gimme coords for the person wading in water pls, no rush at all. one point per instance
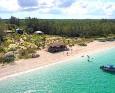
(88, 58)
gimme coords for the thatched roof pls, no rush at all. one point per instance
(57, 47)
(57, 44)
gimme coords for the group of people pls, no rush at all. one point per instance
(89, 59)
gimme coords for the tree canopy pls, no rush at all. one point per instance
(65, 27)
(72, 28)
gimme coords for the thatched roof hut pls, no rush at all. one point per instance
(57, 47)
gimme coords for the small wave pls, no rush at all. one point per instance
(36, 91)
(30, 91)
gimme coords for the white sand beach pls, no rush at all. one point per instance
(47, 59)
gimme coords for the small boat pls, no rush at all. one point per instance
(108, 68)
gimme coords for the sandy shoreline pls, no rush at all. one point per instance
(46, 59)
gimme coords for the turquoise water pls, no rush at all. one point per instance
(75, 76)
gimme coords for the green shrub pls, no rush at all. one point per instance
(23, 53)
(12, 47)
(25, 49)
(31, 50)
(2, 49)
(101, 39)
(110, 39)
(9, 41)
(82, 44)
(1, 58)
(9, 57)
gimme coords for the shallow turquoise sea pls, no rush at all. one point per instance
(74, 76)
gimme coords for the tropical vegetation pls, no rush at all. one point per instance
(15, 46)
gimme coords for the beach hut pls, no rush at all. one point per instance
(57, 47)
(19, 31)
(39, 32)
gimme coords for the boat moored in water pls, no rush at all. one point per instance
(109, 68)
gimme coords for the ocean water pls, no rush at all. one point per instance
(74, 76)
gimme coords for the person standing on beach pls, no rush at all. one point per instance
(67, 54)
